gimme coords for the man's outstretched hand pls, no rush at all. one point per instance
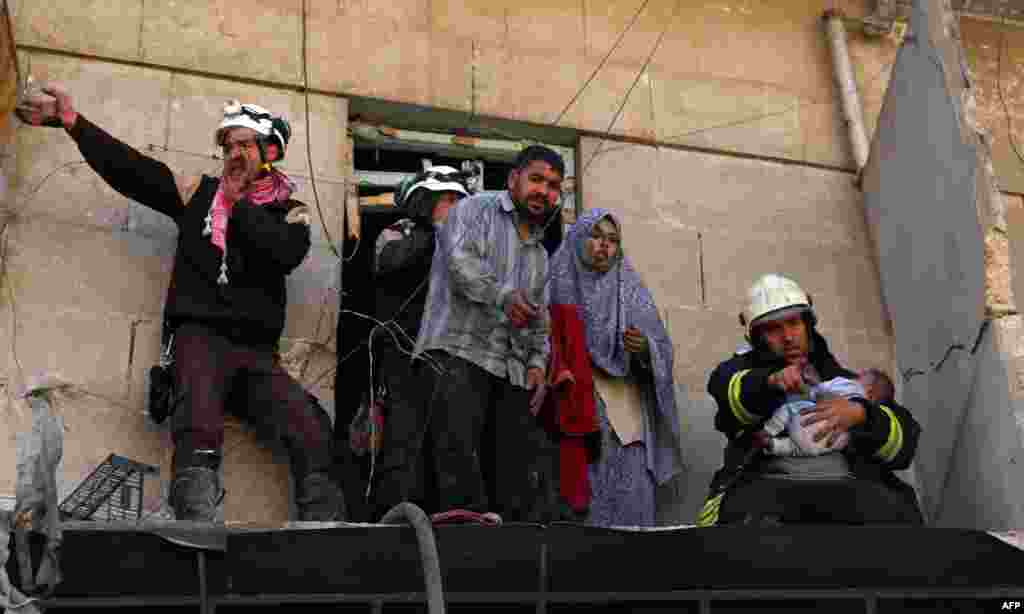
(535, 382)
(50, 105)
(519, 310)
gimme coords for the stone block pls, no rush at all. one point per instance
(733, 260)
(668, 260)
(728, 114)
(334, 40)
(553, 26)
(977, 37)
(326, 133)
(702, 338)
(332, 207)
(515, 83)
(617, 176)
(732, 41)
(421, 68)
(826, 140)
(313, 367)
(49, 176)
(601, 101)
(258, 40)
(313, 299)
(477, 19)
(857, 283)
(89, 350)
(107, 28)
(999, 297)
(771, 201)
(868, 348)
(454, 73)
(256, 476)
(415, 13)
(60, 266)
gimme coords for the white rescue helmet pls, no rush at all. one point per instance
(238, 115)
(434, 179)
(772, 297)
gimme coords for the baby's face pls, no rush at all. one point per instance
(870, 389)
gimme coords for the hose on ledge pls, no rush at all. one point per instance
(413, 515)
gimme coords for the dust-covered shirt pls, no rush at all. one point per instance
(479, 261)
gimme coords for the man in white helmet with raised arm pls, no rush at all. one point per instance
(239, 236)
(855, 485)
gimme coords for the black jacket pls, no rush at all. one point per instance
(885, 442)
(265, 243)
(401, 270)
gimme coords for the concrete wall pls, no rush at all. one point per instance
(986, 478)
(940, 230)
(983, 40)
(701, 228)
(740, 75)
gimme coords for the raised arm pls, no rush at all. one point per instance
(141, 178)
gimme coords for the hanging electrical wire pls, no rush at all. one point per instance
(309, 129)
(625, 99)
(13, 50)
(604, 60)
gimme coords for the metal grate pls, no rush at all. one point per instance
(113, 491)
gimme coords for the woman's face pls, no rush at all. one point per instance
(602, 245)
(444, 205)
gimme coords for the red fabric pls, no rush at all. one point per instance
(569, 406)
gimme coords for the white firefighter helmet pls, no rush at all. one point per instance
(435, 179)
(238, 115)
(773, 296)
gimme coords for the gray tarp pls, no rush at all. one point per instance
(39, 454)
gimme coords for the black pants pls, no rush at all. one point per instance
(522, 482)
(853, 501)
(400, 474)
(210, 370)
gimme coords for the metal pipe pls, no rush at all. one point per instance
(428, 551)
(204, 604)
(843, 71)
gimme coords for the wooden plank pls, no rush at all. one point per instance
(387, 198)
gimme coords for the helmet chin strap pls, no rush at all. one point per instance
(265, 167)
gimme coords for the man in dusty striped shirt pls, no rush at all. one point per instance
(486, 322)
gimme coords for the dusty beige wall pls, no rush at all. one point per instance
(86, 269)
(742, 75)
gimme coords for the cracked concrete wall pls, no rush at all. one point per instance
(740, 75)
(86, 269)
(996, 83)
(939, 227)
(701, 228)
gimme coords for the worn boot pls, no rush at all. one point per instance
(319, 499)
(195, 494)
